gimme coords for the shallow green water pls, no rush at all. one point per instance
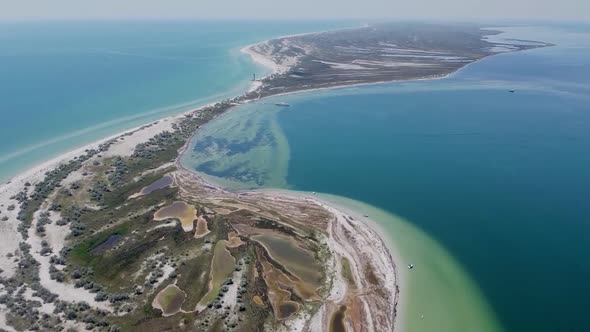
(437, 294)
(242, 149)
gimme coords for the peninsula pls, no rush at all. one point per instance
(118, 236)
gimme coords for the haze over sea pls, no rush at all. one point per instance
(66, 84)
(492, 186)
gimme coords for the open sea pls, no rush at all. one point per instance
(485, 191)
(66, 84)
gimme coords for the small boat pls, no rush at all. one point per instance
(512, 91)
(283, 104)
(410, 266)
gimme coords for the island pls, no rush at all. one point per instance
(118, 236)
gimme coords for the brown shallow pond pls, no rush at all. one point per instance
(298, 261)
(178, 210)
(169, 300)
(279, 291)
(202, 228)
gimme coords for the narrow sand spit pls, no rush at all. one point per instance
(343, 245)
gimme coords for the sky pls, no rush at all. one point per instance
(293, 9)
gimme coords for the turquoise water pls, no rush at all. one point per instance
(65, 84)
(483, 187)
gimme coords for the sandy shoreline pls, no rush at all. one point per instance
(125, 145)
(266, 62)
(259, 59)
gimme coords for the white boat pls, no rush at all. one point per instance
(282, 104)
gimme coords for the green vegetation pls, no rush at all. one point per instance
(124, 191)
(31, 202)
(81, 253)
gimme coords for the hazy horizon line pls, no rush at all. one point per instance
(470, 19)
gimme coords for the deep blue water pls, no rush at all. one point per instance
(501, 179)
(65, 84)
